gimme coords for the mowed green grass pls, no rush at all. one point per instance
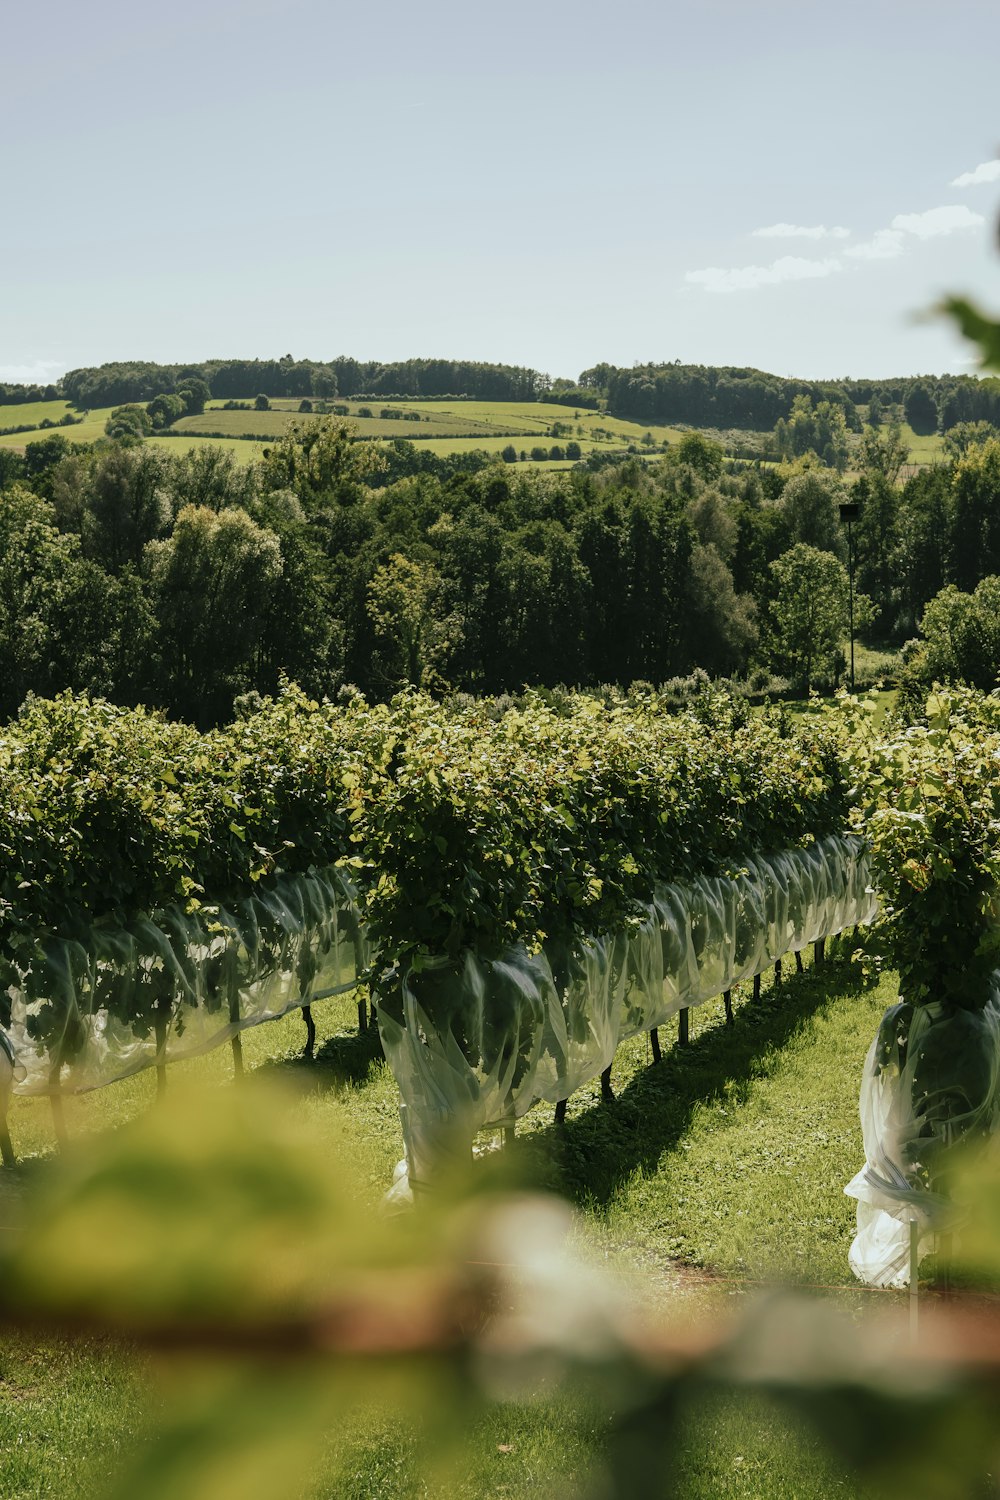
(720, 1167)
(87, 431)
(34, 412)
(475, 421)
(274, 423)
(923, 450)
(538, 416)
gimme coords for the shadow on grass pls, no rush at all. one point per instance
(594, 1153)
(341, 1062)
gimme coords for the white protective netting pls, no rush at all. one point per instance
(476, 1043)
(87, 1013)
(931, 1079)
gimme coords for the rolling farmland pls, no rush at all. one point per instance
(442, 428)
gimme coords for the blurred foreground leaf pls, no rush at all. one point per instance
(977, 327)
(284, 1310)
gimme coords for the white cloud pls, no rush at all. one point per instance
(40, 372)
(801, 232)
(885, 244)
(937, 221)
(749, 278)
(987, 171)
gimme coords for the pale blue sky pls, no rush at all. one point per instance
(538, 184)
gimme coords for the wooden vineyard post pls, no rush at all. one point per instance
(683, 1027)
(654, 1042)
(6, 1085)
(798, 961)
(777, 972)
(728, 1002)
(508, 1136)
(160, 1032)
(756, 987)
(560, 1114)
(362, 1015)
(310, 1046)
(234, 1015)
(607, 1092)
(914, 1279)
(6, 1146)
(819, 952)
(56, 1102)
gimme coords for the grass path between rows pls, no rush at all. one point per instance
(719, 1168)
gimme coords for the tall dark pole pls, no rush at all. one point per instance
(848, 515)
(850, 592)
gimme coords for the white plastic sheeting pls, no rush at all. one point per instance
(932, 1078)
(477, 1042)
(87, 1013)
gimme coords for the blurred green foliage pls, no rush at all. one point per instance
(277, 1310)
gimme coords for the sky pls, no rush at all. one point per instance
(784, 185)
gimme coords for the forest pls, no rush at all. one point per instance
(189, 582)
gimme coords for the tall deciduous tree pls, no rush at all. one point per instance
(808, 613)
(809, 505)
(212, 583)
(975, 522)
(53, 605)
(415, 638)
(920, 409)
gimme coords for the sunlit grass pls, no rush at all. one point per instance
(723, 1165)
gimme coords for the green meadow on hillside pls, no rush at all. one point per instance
(444, 427)
(33, 413)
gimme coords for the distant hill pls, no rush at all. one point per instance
(662, 394)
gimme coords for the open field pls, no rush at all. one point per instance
(87, 431)
(271, 424)
(474, 421)
(444, 427)
(722, 1165)
(33, 413)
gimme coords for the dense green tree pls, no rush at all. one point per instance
(965, 435)
(126, 504)
(808, 614)
(194, 392)
(164, 410)
(920, 409)
(975, 515)
(40, 460)
(211, 476)
(962, 636)
(213, 586)
(721, 625)
(883, 451)
(322, 462)
(819, 428)
(415, 637)
(129, 422)
(810, 508)
(12, 467)
(52, 604)
(877, 546)
(700, 453)
(924, 523)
